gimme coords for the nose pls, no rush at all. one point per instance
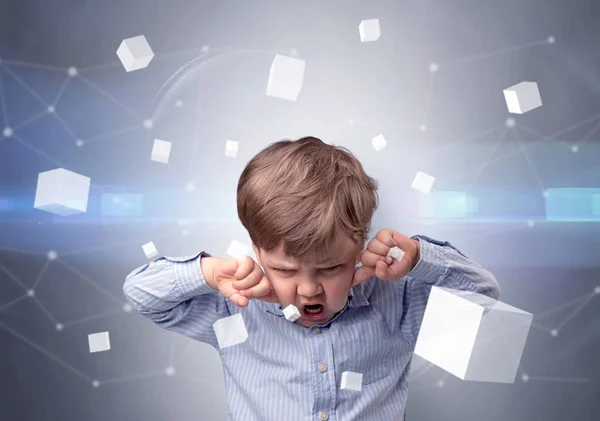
(309, 289)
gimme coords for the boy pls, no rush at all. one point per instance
(307, 207)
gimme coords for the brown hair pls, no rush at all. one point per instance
(305, 193)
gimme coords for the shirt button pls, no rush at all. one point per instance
(324, 416)
(317, 330)
(322, 368)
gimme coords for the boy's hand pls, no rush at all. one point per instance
(376, 262)
(240, 280)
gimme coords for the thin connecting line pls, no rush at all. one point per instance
(13, 302)
(93, 317)
(34, 65)
(531, 166)
(30, 120)
(111, 98)
(3, 101)
(113, 133)
(26, 86)
(563, 131)
(574, 313)
(45, 352)
(476, 175)
(61, 91)
(64, 124)
(38, 151)
(45, 310)
(134, 377)
(41, 274)
(13, 277)
(467, 140)
(430, 89)
(560, 379)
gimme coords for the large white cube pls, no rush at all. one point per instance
(135, 53)
(423, 182)
(291, 313)
(230, 330)
(369, 30)
(161, 150)
(285, 77)
(379, 142)
(522, 97)
(231, 148)
(238, 249)
(351, 380)
(99, 342)
(150, 250)
(62, 192)
(472, 336)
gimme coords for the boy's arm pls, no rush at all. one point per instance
(440, 264)
(176, 294)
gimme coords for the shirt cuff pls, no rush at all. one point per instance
(189, 279)
(432, 265)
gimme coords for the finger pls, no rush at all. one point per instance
(259, 290)
(362, 274)
(370, 258)
(245, 266)
(252, 278)
(234, 296)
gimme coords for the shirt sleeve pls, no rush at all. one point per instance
(441, 264)
(172, 292)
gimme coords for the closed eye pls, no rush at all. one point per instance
(292, 270)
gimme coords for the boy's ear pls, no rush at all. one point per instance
(257, 253)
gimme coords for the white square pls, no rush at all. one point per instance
(62, 192)
(423, 182)
(522, 97)
(161, 150)
(291, 313)
(150, 250)
(238, 249)
(379, 142)
(351, 380)
(396, 253)
(369, 30)
(230, 330)
(99, 342)
(285, 77)
(472, 336)
(231, 148)
(135, 53)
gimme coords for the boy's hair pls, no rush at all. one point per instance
(305, 193)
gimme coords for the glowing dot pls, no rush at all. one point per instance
(127, 308)
(184, 233)
(59, 327)
(31, 293)
(190, 187)
(205, 48)
(52, 255)
(423, 127)
(574, 148)
(51, 109)
(179, 103)
(510, 122)
(293, 52)
(79, 143)
(530, 223)
(170, 371)
(148, 124)
(440, 383)
(434, 67)
(95, 383)
(554, 332)
(597, 290)
(525, 377)
(545, 193)
(551, 40)
(72, 71)
(7, 132)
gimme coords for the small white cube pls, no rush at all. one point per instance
(351, 380)
(161, 150)
(238, 249)
(231, 148)
(472, 336)
(291, 313)
(99, 342)
(230, 330)
(62, 192)
(423, 182)
(285, 77)
(379, 142)
(396, 253)
(369, 30)
(135, 53)
(522, 97)
(150, 250)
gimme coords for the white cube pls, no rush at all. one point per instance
(230, 330)
(161, 150)
(62, 192)
(522, 97)
(291, 313)
(135, 53)
(99, 342)
(396, 253)
(379, 142)
(351, 380)
(285, 77)
(231, 148)
(472, 336)
(238, 249)
(423, 182)
(369, 30)
(150, 250)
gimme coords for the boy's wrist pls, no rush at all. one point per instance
(207, 265)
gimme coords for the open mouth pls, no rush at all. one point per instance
(313, 311)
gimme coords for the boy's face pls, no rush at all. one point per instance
(324, 280)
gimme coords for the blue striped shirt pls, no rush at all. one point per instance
(285, 371)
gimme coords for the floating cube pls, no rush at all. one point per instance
(150, 250)
(135, 53)
(231, 148)
(472, 336)
(396, 253)
(285, 77)
(99, 342)
(423, 182)
(161, 150)
(291, 313)
(522, 97)
(230, 330)
(238, 249)
(369, 30)
(351, 380)
(62, 192)
(379, 142)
